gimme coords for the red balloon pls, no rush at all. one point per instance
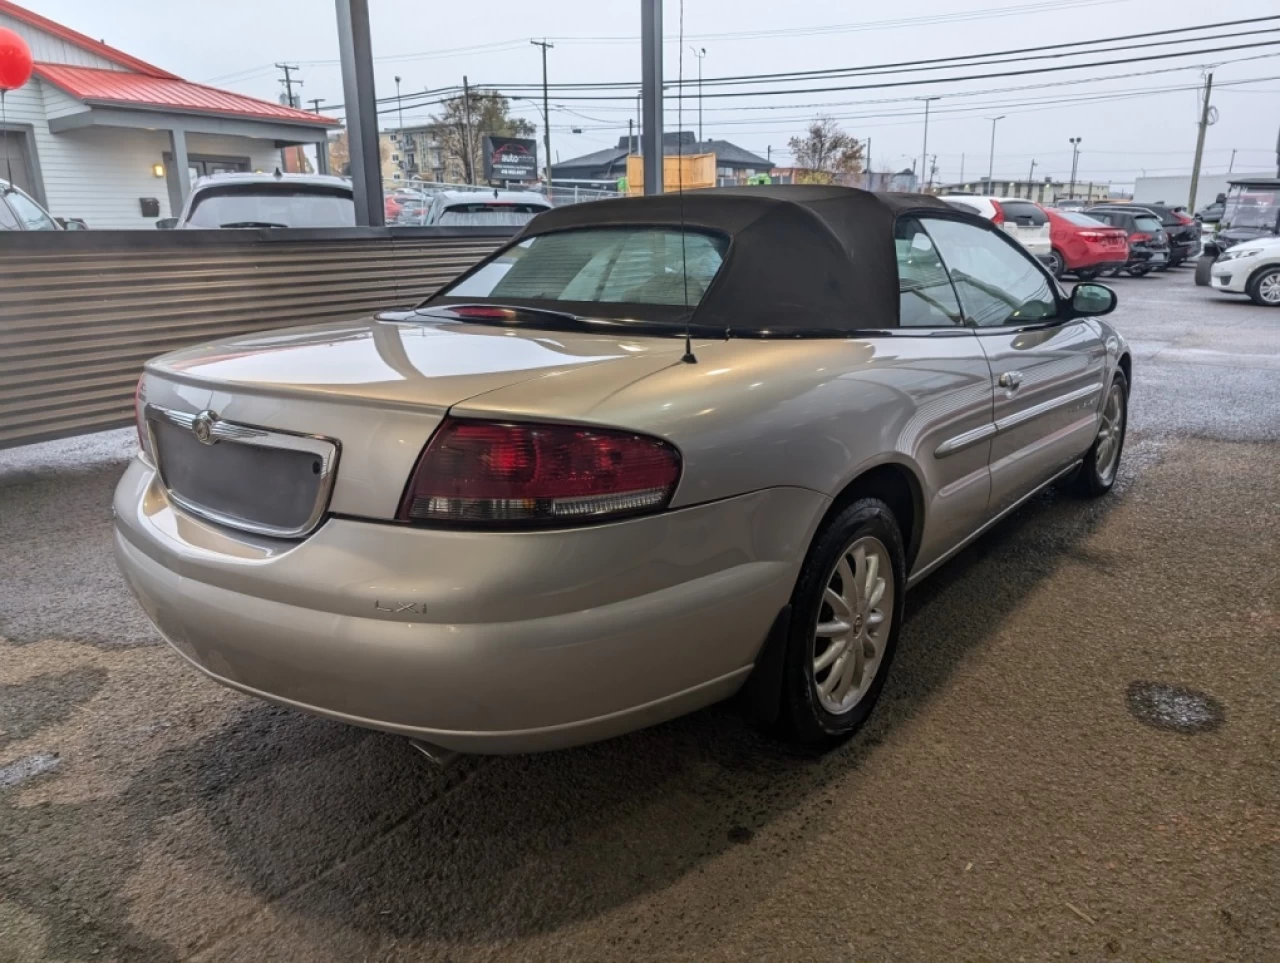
(15, 60)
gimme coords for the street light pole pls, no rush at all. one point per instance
(399, 105)
(991, 159)
(699, 52)
(924, 153)
(1075, 156)
(546, 109)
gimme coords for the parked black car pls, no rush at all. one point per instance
(1182, 229)
(1148, 242)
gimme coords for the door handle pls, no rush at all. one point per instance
(1011, 380)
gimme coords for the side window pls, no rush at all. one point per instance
(997, 282)
(925, 296)
(29, 213)
(1024, 213)
(7, 221)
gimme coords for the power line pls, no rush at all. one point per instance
(1038, 52)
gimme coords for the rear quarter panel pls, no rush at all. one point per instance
(812, 414)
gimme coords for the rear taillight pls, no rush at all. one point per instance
(998, 216)
(1183, 218)
(1139, 238)
(1092, 235)
(484, 473)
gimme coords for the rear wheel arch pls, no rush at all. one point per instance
(898, 486)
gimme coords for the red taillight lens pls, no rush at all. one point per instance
(1139, 238)
(1092, 235)
(1183, 218)
(494, 474)
(998, 216)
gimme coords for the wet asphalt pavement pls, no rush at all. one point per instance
(1076, 757)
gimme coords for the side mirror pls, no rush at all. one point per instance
(166, 223)
(1091, 300)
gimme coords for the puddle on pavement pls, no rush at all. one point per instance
(1174, 708)
(24, 769)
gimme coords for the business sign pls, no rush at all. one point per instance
(510, 159)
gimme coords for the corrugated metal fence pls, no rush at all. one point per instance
(81, 311)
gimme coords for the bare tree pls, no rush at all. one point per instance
(825, 150)
(490, 114)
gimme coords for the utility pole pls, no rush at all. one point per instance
(468, 167)
(991, 159)
(962, 171)
(546, 109)
(1204, 124)
(631, 142)
(699, 52)
(1075, 157)
(288, 82)
(924, 154)
(1232, 165)
(1031, 176)
(933, 170)
(322, 148)
(399, 105)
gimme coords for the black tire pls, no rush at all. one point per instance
(1088, 481)
(1137, 272)
(1162, 267)
(1087, 274)
(1255, 286)
(803, 719)
(1058, 264)
(1115, 273)
(1204, 266)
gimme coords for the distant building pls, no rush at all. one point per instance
(414, 152)
(100, 135)
(1045, 191)
(900, 181)
(734, 165)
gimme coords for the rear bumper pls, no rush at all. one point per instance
(478, 642)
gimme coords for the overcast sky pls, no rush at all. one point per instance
(233, 44)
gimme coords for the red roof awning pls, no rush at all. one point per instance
(125, 89)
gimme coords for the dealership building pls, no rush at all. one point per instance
(100, 135)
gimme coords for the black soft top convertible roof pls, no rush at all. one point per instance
(800, 256)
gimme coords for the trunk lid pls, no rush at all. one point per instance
(374, 389)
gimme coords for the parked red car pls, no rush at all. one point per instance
(1084, 245)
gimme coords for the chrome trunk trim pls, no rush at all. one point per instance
(326, 449)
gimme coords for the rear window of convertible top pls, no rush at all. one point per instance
(616, 265)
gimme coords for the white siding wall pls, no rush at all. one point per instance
(49, 49)
(99, 173)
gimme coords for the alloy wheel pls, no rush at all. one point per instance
(1269, 288)
(1110, 434)
(853, 625)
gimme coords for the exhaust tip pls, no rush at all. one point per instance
(438, 755)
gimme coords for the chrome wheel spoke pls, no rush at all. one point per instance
(828, 685)
(839, 605)
(835, 627)
(872, 581)
(833, 652)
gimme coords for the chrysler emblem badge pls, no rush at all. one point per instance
(203, 427)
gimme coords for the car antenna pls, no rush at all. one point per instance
(689, 357)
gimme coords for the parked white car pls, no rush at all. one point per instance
(1251, 268)
(1018, 217)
